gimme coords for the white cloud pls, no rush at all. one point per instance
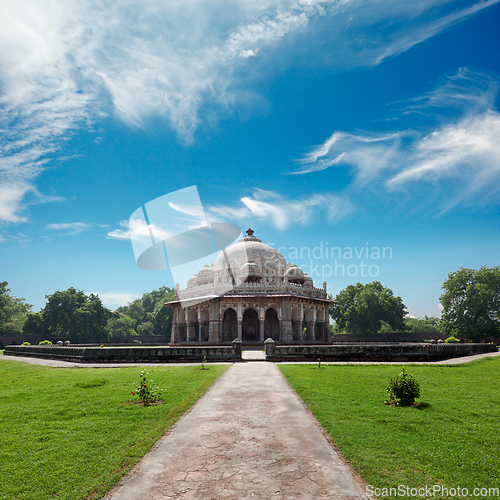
(282, 213)
(65, 64)
(69, 228)
(193, 210)
(464, 148)
(428, 30)
(11, 195)
(114, 300)
(140, 231)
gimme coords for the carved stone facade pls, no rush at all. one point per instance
(250, 293)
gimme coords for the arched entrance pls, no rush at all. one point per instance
(193, 326)
(271, 325)
(229, 325)
(250, 326)
(320, 325)
(309, 323)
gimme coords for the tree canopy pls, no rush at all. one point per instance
(361, 309)
(13, 310)
(151, 315)
(471, 303)
(73, 314)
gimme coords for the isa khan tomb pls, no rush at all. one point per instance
(250, 293)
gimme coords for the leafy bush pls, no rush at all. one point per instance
(452, 340)
(145, 391)
(403, 389)
(25, 343)
(45, 342)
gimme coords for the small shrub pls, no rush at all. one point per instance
(403, 389)
(203, 363)
(45, 342)
(146, 391)
(26, 343)
(452, 340)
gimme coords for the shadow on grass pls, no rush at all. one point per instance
(417, 406)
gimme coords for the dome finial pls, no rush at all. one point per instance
(250, 231)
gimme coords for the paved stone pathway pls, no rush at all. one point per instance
(249, 437)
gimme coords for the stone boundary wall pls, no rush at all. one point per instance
(129, 354)
(389, 337)
(373, 351)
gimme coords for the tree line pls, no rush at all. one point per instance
(470, 302)
(82, 318)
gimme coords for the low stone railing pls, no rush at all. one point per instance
(129, 354)
(373, 351)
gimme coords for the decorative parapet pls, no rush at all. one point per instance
(210, 290)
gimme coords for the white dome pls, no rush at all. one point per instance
(251, 250)
(206, 273)
(308, 280)
(295, 272)
(193, 281)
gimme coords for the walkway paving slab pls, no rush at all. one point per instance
(249, 437)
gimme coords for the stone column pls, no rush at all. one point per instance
(262, 323)
(240, 330)
(286, 333)
(173, 335)
(237, 347)
(269, 345)
(328, 335)
(189, 331)
(214, 322)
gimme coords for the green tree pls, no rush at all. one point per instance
(471, 303)
(146, 328)
(120, 327)
(5, 310)
(361, 309)
(33, 324)
(151, 308)
(79, 317)
(12, 310)
(425, 324)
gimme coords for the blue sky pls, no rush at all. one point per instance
(350, 125)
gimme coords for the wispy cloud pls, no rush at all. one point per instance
(114, 300)
(140, 231)
(428, 30)
(282, 212)
(464, 147)
(63, 65)
(69, 228)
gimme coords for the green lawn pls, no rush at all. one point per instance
(452, 440)
(71, 433)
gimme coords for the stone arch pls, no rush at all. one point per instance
(229, 325)
(296, 324)
(309, 323)
(194, 325)
(271, 324)
(250, 325)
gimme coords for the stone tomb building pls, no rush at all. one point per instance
(250, 293)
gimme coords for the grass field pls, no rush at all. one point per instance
(452, 440)
(71, 433)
